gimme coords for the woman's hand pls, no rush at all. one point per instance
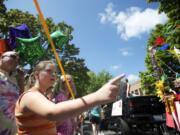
(110, 90)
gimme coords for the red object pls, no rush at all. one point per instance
(159, 41)
(3, 46)
(169, 120)
(177, 97)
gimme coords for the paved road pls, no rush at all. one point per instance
(109, 133)
(113, 133)
(88, 131)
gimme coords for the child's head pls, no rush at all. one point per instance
(64, 85)
(68, 77)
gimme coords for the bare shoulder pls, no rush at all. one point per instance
(32, 96)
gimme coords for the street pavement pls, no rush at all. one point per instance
(88, 131)
(109, 133)
(113, 133)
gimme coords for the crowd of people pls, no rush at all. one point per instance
(42, 104)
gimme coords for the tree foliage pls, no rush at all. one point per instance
(167, 60)
(2, 16)
(170, 7)
(97, 80)
(69, 54)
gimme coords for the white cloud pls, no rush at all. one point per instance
(133, 22)
(132, 78)
(115, 67)
(125, 51)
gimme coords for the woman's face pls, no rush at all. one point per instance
(47, 76)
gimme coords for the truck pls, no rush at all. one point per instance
(139, 114)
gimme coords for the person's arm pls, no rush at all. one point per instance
(38, 104)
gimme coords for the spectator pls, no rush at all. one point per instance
(79, 127)
(62, 94)
(65, 87)
(95, 119)
(128, 93)
(11, 85)
(36, 115)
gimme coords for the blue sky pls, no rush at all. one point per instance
(111, 34)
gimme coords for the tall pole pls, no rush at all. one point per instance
(52, 45)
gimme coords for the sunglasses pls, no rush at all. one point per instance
(12, 56)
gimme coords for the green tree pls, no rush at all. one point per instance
(167, 61)
(69, 54)
(170, 7)
(2, 16)
(97, 80)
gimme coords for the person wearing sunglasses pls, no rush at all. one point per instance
(11, 85)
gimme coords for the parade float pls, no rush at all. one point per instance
(163, 62)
